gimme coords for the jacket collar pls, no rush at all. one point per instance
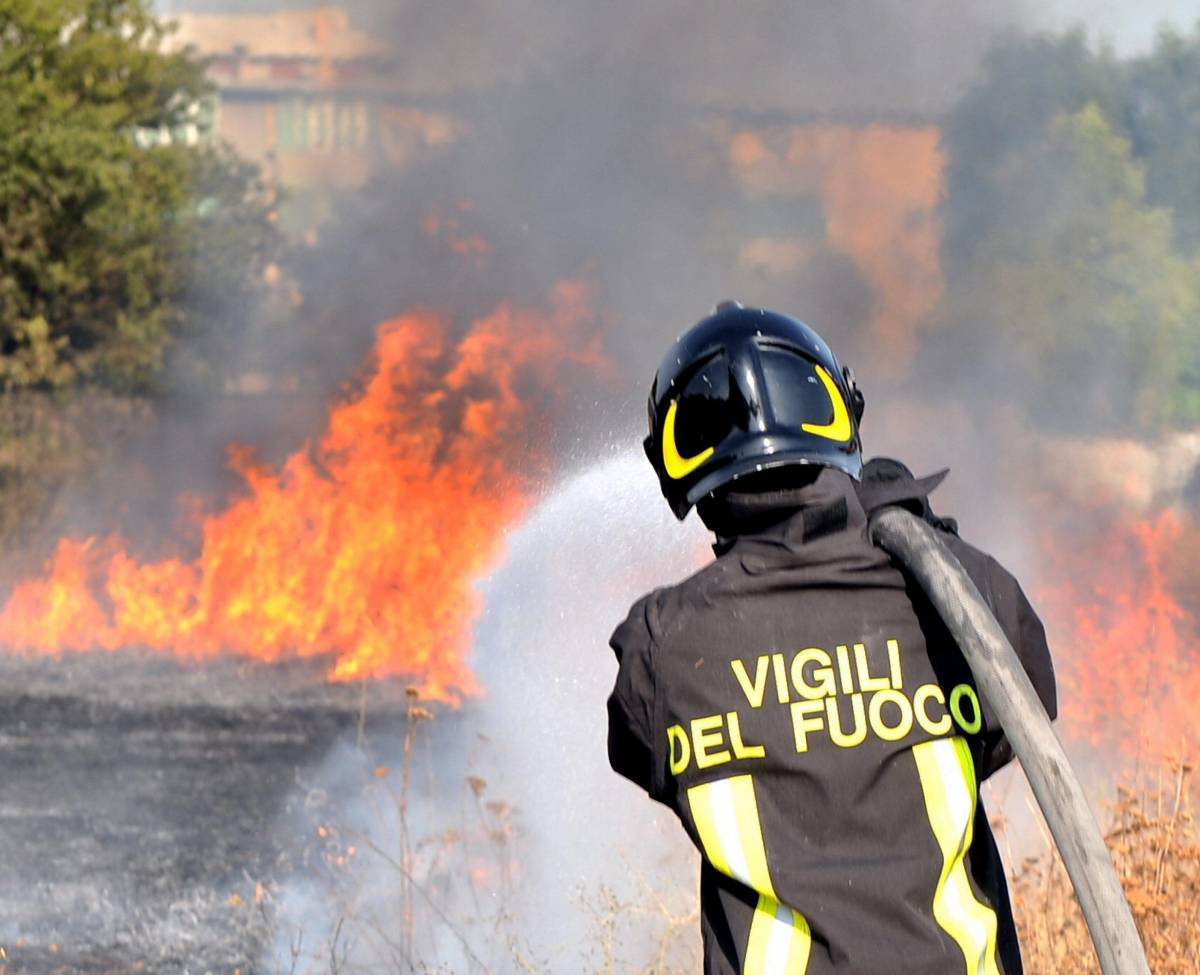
(912, 492)
(794, 517)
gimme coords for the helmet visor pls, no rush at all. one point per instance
(705, 414)
(803, 396)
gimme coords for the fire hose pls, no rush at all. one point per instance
(1007, 689)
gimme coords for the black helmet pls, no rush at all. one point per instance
(747, 390)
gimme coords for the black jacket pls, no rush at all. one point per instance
(801, 707)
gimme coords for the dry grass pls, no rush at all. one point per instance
(397, 901)
(386, 889)
(1155, 843)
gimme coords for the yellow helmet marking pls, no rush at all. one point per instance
(838, 428)
(678, 466)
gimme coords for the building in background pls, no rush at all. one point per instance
(320, 104)
(308, 96)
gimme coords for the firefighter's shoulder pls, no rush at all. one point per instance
(654, 616)
(636, 632)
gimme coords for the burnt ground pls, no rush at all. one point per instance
(142, 801)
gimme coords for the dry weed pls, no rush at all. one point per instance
(1155, 844)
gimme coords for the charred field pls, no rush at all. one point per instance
(148, 804)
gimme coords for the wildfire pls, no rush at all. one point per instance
(365, 544)
(1127, 648)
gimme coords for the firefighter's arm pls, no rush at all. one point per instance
(1025, 632)
(631, 704)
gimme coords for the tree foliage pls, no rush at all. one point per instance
(114, 240)
(1162, 116)
(1073, 285)
(1027, 83)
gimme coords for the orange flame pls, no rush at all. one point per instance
(364, 544)
(1126, 647)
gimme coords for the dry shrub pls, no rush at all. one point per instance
(656, 932)
(406, 873)
(397, 900)
(1155, 843)
(52, 446)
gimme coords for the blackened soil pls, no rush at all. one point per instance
(141, 801)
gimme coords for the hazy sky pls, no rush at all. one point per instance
(1130, 25)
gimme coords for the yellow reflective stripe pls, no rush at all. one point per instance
(745, 810)
(676, 465)
(726, 816)
(700, 799)
(780, 942)
(948, 783)
(839, 427)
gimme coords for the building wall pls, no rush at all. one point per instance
(249, 125)
(298, 91)
(302, 137)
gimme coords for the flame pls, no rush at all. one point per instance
(879, 185)
(1127, 649)
(364, 544)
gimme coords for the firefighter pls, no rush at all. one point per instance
(798, 703)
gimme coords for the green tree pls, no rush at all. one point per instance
(1027, 82)
(1075, 302)
(114, 241)
(1162, 116)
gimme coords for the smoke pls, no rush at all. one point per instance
(596, 139)
(517, 835)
